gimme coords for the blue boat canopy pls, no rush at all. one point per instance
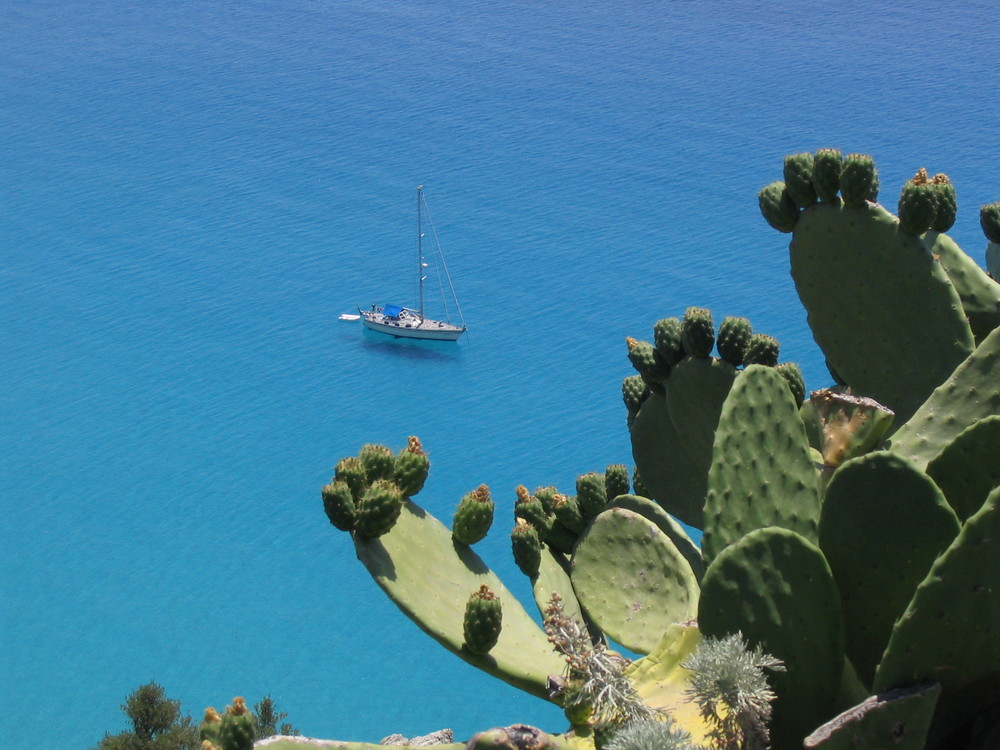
(392, 311)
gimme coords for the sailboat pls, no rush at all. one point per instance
(412, 323)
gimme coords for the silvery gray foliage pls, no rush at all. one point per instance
(650, 734)
(728, 675)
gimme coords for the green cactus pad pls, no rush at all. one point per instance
(473, 516)
(798, 175)
(378, 460)
(591, 494)
(864, 283)
(338, 503)
(980, 295)
(351, 471)
(616, 481)
(858, 180)
(796, 383)
(411, 467)
(898, 719)
(483, 621)
(971, 393)
(968, 469)
(762, 350)
(762, 472)
(667, 340)
(663, 462)
(776, 588)
(429, 577)
(553, 578)
(883, 524)
(378, 509)
(697, 332)
(989, 220)
(777, 207)
(733, 340)
(631, 579)
(950, 632)
(695, 393)
(526, 547)
(827, 164)
(654, 513)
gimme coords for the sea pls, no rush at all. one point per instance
(192, 193)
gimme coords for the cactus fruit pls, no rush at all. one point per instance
(474, 516)
(631, 579)
(411, 467)
(799, 179)
(529, 508)
(849, 425)
(762, 350)
(858, 180)
(898, 719)
(989, 220)
(339, 505)
(210, 726)
(526, 547)
(697, 332)
(591, 494)
(777, 207)
(950, 632)
(643, 357)
(793, 376)
(667, 340)
(733, 340)
(351, 471)
(827, 164)
(483, 621)
(883, 523)
(237, 727)
(378, 460)
(567, 512)
(776, 588)
(634, 392)
(917, 204)
(547, 497)
(616, 481)
(378, 509)
(946, 210)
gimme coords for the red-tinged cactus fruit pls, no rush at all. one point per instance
(351, 471)
(917, 204)
(777, 207)
(378, 510)
(527, 547)
(530, 509)
(798, 175)
(858, 180)
(237, 730)
(947, 203)
(474, 516)
(616, 481)
(483, 621)
(733, 340)
(591, 495)
(378, 460)
(827, 164)
(411, 467)
(338, 502)
(667, 341)
(762, 350)
(698, 332)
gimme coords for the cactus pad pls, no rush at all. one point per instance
(864, 283)
(429, 577)
(631, 579)
(654, 513)
(950, 632)
(883, 524)
(776, 588)
(762, 472)
(968, 469)
(980, 295)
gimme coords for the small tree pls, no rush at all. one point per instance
(157, 723)
(266, 717)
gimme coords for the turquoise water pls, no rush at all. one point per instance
(193, 192)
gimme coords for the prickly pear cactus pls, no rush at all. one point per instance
(967, 469)
(474, 516)
(483, 621)
(411, 467)
(237, 727)
(898, 719)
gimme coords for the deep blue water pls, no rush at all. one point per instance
(192, 192)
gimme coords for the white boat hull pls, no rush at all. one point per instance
(433, 330)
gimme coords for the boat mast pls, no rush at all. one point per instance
(420, 249)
